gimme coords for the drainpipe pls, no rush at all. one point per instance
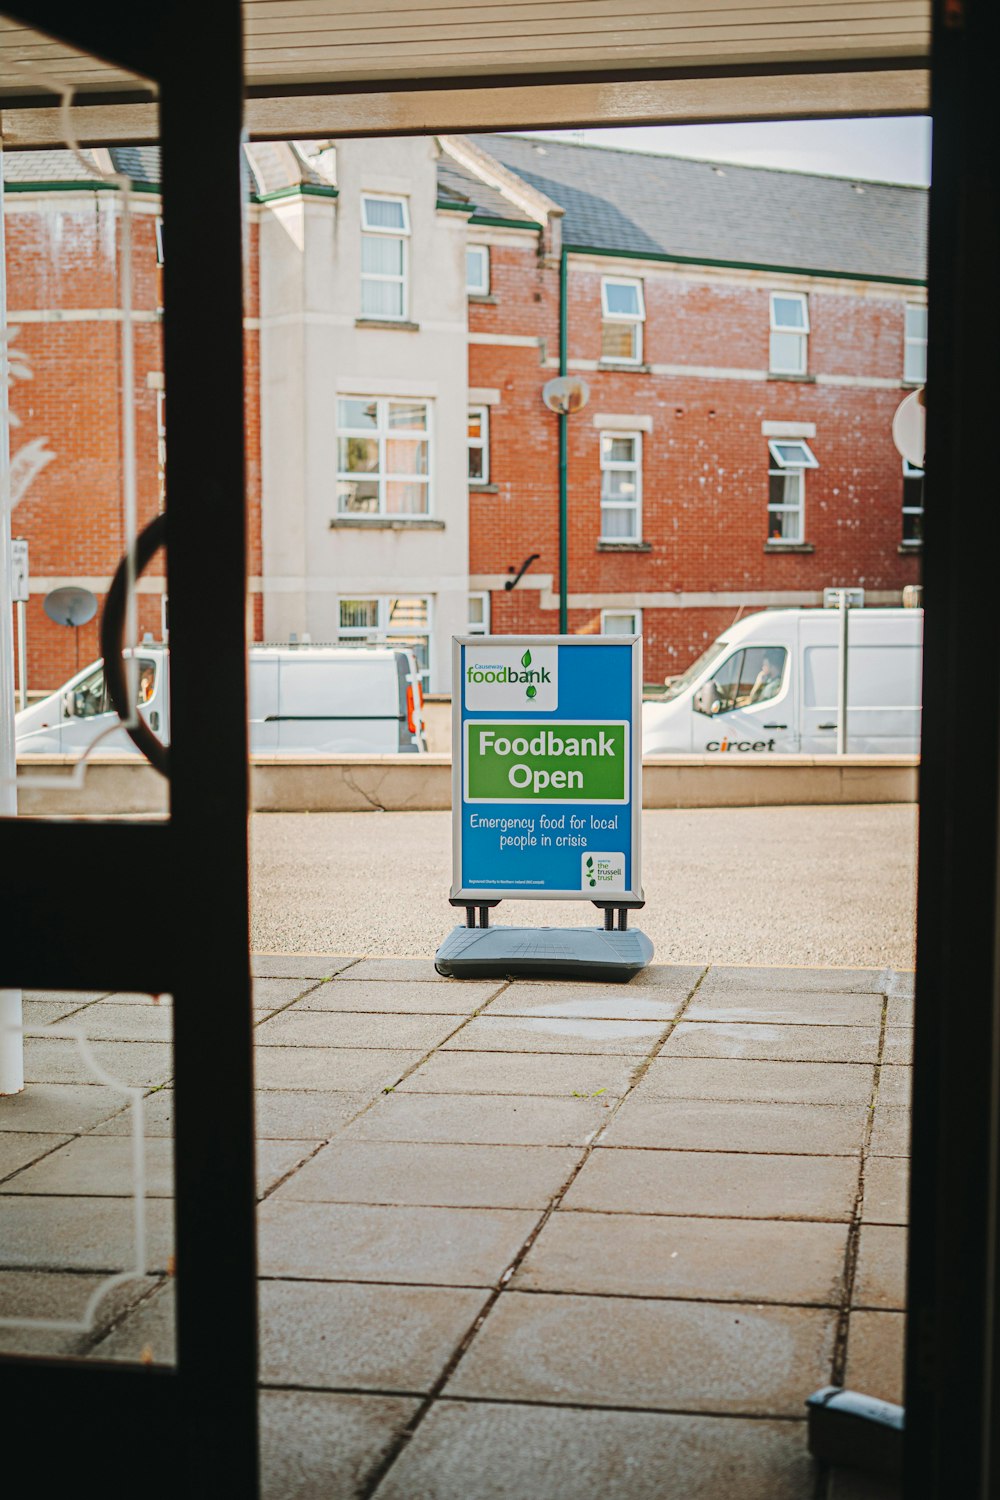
(563, 443)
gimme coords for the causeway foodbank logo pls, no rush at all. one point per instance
(512, 677)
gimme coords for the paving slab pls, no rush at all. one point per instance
(501, 1120)
(895, 1085)
(98, 1166)
(269, 994)
(715, 1184)
(317, 1444)
(491, 1033)
(770, 980)
(59, 1108)
(138, 997)
(898, 1045)
(384, 997)
(300, 965)
(638, 1255)
(60, 1060)
(891, 1132)
(47, 1012)
(457, 1072)
(887, 1181)
(112, 1021)
(785, 1007)
(395, 1338)
(481, 1451)
(875, 1343)
(852, 1484)
(65, 1000)
(445, 1176)
(428, 1246)
(287, 1114)
(85, 1234)
(345, 1070)
(18, 1148)
(589, 1002)
(725, 1125)
(617, 1351)
(774, 1043)
(421, 969)
(275, 1159)
(60, 1296)
(775, 1082)
(148, 1332)
(880, 1278)
(318, 1028)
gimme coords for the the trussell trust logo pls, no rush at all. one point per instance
(512, 677)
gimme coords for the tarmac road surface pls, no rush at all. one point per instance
(833, 886)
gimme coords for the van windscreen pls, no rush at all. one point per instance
(677, 685)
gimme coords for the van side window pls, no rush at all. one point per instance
(747, 677)
(88, 698)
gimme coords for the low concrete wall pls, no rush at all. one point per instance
(409, 783)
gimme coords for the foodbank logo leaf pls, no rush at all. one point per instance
(530, 690)
(591, 878)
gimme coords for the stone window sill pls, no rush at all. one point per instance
(795, 379)
(624, 546)
(483, 489)
(400, 325)
(624, 364)
(906, 548)
(789, 547)
(482, 299)
(386, 523)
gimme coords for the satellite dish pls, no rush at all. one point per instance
(566, 394)
(70, 606)
(908, 427)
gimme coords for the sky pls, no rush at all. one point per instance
(883, 150)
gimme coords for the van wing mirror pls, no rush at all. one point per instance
(706, 699)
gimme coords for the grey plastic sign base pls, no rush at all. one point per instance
(543, 953)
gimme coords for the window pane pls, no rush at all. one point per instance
(382, 299)
(408, 414)
(618, 340)
(788, 312)
(915, 363)
(405, 499)
(618, 484)
(407, 614)
(476, 456)
(619, 450)
(916, 322)
(357, 496)
(384, 213)
(406, 456)
(784, 526)
(621, 300)
(475, 425)
(381, 255)
(88, 699)
(760, 675)
(357, 413)
(476, 269)
(790, 454)
(913, 525)
(618, 522)
(624, 624)
(356, 455)
(359, 614)
(726, 682)
(477, 610)
(788, 353)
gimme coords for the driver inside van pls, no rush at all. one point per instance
(767, 682)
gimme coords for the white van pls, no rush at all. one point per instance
(324, 699)
(770, 684)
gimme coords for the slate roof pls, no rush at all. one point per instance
(47, 166)
(457, 182)
(636, 202)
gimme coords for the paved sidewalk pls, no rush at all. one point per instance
(550, 1241)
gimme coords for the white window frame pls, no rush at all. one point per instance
(634, 320)
(914, 349)
(159, 239)
(383, 633)
(480, 627)
(785, 329)
(783, 465)
(383, 433)
(610, 466)
(482, 443)
(636, 621)
(392, 232)
(911, 471)
(482, 288)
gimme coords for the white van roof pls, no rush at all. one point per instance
(330, 653)
(772, 621)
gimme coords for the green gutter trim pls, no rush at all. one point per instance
(299, 190)
(744, 265)
(507, 223)
(450, 206)
(82, 185)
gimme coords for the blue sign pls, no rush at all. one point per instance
(546, 767)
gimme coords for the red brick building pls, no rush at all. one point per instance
(746, 336)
